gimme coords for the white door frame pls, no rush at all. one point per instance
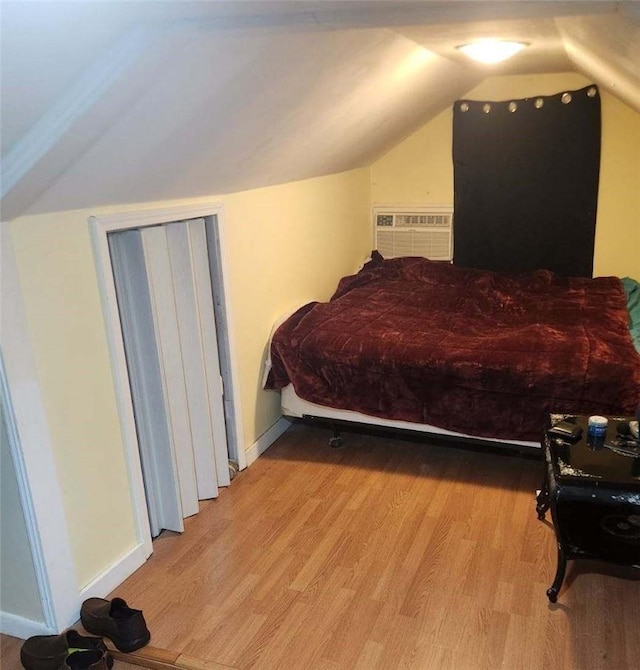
(100, 226)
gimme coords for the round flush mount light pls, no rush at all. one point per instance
(491, 51)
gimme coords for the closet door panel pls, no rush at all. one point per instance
(192, 352)
(163, 300)
(159, 467)
(207, 329)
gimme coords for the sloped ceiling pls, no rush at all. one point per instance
(122, 102)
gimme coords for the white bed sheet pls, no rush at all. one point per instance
(294, 406)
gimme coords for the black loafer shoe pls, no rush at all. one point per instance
(47, 652)
(124, 626)
(86, 660)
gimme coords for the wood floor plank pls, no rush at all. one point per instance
(191, 663)
(382, 554)
(389, 554)
(369, 658)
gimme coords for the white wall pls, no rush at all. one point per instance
(19, 596)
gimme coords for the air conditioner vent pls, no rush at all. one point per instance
(414, 220)
(415, 231)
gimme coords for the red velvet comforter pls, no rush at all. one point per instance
(472, 351)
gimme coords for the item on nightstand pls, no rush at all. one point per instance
(626, 433)
(625, 442)
(566, 430)
(596, 430)
(597, 425)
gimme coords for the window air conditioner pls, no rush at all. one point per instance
(414, 231)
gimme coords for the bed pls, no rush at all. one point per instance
(413, 343)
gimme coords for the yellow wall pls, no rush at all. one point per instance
(617, 249)
(420, 169)
(57, 275)
(286, 245)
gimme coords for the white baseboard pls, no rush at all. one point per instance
(100, 587)
(17, 626)
(267, 439)
(115, 574)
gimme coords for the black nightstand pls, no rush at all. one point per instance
(594, 496)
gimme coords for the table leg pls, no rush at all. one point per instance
(554, 589)
(542, 500)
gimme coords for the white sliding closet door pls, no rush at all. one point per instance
(157, 456)
(177, 263)
(165, 298)
(163, 301)
(192, 289)
(213, 390)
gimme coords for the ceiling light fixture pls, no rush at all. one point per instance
(491, 51)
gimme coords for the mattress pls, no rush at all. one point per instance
(470, 351)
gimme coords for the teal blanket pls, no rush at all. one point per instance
(632, 290)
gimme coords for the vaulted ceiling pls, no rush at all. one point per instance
(122, 102)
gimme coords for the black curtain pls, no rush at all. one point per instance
(526, 182)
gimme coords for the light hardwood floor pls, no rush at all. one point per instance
(382, 554)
